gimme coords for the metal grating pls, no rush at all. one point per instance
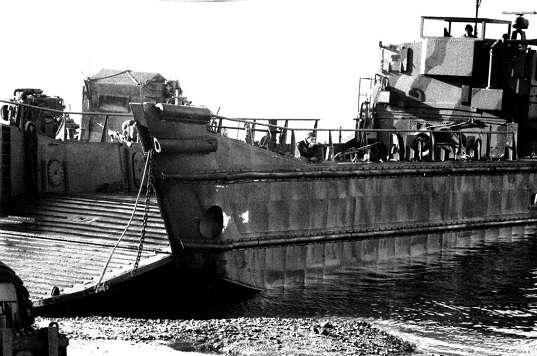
(64, 241)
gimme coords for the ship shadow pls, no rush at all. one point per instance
(159, 293)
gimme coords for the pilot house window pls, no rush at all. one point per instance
(114, 103)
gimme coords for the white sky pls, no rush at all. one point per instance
(277, 58)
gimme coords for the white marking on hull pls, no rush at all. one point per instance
(245, 217)
(226, 221)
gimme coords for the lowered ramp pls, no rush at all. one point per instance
(60, 243)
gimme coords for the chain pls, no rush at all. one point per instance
(145, 217)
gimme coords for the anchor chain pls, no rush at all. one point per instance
(148, 189)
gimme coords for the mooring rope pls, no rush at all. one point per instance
(146, 169)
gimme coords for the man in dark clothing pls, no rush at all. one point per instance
(309, 149)
(469, 32)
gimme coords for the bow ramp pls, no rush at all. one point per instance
(60, 244)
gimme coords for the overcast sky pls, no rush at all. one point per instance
(279, 58)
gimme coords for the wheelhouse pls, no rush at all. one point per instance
(437, 26)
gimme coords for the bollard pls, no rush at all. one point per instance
(53, 339)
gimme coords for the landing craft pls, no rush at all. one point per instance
(444, 140)
(75, 213)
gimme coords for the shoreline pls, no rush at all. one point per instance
(235, 336)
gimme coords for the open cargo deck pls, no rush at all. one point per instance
(64, 241)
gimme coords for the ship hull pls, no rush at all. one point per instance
(296, 266)
(273, 217)
(234, 206)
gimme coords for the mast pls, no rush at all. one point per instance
(477, 5)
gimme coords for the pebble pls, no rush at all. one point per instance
(243, 336)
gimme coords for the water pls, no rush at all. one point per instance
(458, 293)
(477, 297)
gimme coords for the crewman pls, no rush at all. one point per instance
(307, 147)
(128, 128)
(265, 141)
(469, 31)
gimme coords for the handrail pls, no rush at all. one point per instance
(263, 124)
(430, 134)
(250, 119)
(65, 112)
(367, 130)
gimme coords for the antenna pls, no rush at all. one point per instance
(519, 13)
(477, 5)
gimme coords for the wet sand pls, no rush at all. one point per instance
(79, 347)
(238, 336)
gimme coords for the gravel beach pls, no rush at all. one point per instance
(238, 336)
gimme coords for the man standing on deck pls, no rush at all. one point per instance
(307, 147)
(469, 31)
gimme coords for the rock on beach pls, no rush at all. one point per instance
(242, 336)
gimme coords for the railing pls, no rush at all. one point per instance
(99, 128)
(362, 143)
(376, 144)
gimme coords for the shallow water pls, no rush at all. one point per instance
(458, 293)
(477, 296)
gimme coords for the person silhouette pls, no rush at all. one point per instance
(469, 31)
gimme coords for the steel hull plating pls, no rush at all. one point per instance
(283, 207)
(272, 203)
(295, 266)
(277, 222)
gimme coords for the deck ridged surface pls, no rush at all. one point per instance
(64, 241)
